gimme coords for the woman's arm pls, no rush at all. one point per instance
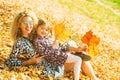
(22, 47)
(14, 56)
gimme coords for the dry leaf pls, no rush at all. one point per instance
(92, 41)
(61, 33)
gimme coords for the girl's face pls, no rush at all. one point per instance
(26, 25)
(42, 30)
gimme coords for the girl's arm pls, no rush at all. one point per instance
(75, 49)
(84, 47)
(55, 44)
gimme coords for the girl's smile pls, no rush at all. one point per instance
(42, 31)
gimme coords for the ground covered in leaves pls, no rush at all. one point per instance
(106, 64)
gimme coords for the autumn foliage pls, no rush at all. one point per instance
(101, 38)
(92, 41)
(61, 33)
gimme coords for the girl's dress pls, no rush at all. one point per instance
(54, 59)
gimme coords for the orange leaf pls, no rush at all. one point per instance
(94, 40)
(86, 38)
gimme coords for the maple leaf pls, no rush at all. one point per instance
(61, 33)
(92, 41)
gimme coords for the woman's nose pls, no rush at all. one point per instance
(28, 25)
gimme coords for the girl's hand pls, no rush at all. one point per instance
(55, 44)
(84, 47)
(52, 32)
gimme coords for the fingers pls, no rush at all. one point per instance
(39, 59)
(36, 55)
(41, 56)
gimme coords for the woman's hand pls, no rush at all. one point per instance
(34, 60)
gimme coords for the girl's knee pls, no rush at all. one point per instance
(79, 60)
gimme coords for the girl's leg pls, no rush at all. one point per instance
(77, 64)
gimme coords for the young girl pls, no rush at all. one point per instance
(53, 53)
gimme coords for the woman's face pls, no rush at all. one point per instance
(42, 30)
(26, 25)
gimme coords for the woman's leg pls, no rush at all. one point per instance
(88, 70)
(85, 66)
(77, 64)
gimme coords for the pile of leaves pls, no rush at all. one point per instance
(75, 27)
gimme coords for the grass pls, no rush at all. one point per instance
(113, 3)
(94, 11)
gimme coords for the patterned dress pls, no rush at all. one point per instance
(24, 47)
(55, 58)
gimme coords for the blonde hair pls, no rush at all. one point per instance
(16, 31)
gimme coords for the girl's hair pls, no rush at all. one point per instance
(40, 23)
(16, 31)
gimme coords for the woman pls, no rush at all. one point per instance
(23, 48)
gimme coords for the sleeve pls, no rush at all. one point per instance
(65, 47)
(13, 58)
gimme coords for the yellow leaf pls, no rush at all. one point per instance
(59, 28)
(93, 50)
(61, 33)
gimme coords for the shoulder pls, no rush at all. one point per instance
(22, 42)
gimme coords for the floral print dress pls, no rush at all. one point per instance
(24, 47)
(54, 59)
